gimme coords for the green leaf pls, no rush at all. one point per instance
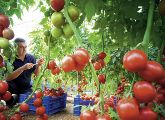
(90, 9)
(18, 13)
(43, 9)
(43, 21)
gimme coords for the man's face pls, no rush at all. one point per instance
(22, 48)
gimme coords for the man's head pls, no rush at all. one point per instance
(21, 46)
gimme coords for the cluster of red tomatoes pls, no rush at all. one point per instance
(144, 91)
(40, 109)
(52, 66)
(77, 61)
(4, 93)
(84, 96)
(98, 63)
(53, 92)
(58, 19)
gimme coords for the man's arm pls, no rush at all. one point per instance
(37, 70)
(18, 71)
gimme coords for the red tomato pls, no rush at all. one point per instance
(45, 116)
(3, 87)
(102, 55)
(97, 65)
(88, 115)
(24, 107)
(2, 64)
(2, 116)
(135, 60)
(37, 102)
(1, 32)
(16, 117)
(160, 98)
(101, 61)
(161, 82)
(68, 63)
(144, 91)
(40, 110)
(55, 71)
(154, 71)
(101, 78)
(79, 67)
(148, 114)
(81, 56)
(128, 109)
(39, 94)
(4, 21)
(57, 5)
(162, 91)
(51, 64)
(6, 96)
(2, 108)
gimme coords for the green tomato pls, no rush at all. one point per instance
(56, 32)
(68, 32)
(73, 12)
(57, 19)
(4, 43)
(47, 33)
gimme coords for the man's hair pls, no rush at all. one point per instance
(18, 40)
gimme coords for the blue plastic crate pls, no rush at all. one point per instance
(87, 102)
(77, 102)
(51, 104)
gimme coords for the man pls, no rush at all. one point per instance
(25, 64)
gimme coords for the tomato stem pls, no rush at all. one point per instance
(103, 44)
(132, 83)
(146, 38)
(75, 30)
(101, 93)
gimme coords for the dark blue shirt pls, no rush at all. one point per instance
(22, 83)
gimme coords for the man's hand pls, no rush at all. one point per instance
(40, 61)
(27, 66)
